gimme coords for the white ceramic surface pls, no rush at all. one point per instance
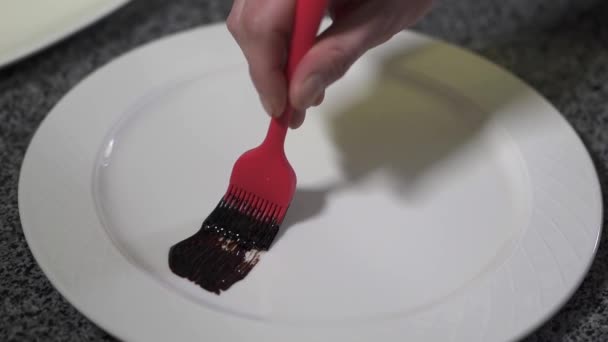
(27, 26)
(439, 198)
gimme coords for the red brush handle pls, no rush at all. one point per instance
(307, 18)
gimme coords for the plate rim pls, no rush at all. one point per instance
(57, 35)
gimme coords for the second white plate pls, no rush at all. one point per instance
(30, 25)
(439, 198)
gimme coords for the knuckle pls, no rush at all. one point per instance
(382, 30)
(255, 27)
(233, 25)
(340, 61)
(384, 36)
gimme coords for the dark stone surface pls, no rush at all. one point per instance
(560, 47)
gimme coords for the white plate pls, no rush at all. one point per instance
(439, 199)
(27, 26)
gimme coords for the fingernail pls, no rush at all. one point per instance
(270, 107)
(312, 89)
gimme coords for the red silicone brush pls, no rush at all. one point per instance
(261, 188)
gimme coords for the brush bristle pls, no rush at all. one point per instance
(246, 219)
(229, 242)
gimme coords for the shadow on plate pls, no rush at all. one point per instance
(406, 122)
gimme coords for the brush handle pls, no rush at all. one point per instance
(307, 18)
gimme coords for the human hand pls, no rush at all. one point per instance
(262, 30)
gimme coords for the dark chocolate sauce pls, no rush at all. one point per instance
(227, 246)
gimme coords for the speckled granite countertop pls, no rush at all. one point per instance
(560, 47)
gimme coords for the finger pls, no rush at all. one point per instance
(234, 16)
(297, 119)
(262, 32)
(334, 53)
(319, 99)
(266, 72)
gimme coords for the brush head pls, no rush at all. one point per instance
(266, 173)
(246, 219)
(244, 223)
(229, 242)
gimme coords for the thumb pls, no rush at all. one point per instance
(330, 58)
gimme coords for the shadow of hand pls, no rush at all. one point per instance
(307, 203)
